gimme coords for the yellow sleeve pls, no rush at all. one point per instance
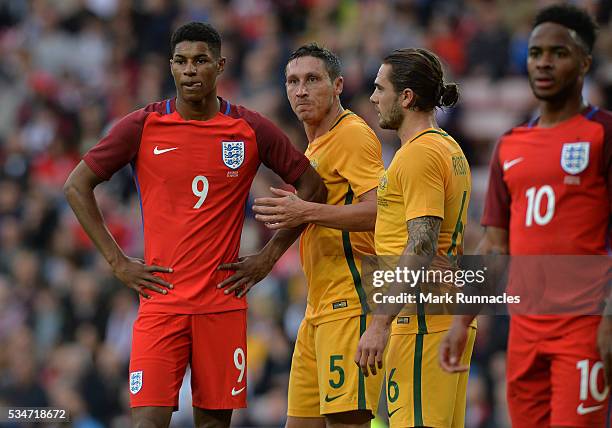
(421, 177)
(360, 158)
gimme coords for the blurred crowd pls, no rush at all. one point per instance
(70, 68)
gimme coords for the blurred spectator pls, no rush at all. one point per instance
(65, 397)
(22, 387)
(488, 49)
(124, 308)
(84, 307)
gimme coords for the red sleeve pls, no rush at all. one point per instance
(121, 145)
(275, 150)
(608, 163)
(497, 202)
(605, 119)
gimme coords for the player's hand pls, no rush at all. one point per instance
(249, 270)
(285, 212)
(138, 276)
(452, 347)
(371, 348)
(604, 343)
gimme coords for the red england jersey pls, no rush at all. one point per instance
(193, 178)
(552, 189)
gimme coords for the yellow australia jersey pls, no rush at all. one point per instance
(349, 159)
(429, 176)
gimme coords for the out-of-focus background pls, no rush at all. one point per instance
(70, 68)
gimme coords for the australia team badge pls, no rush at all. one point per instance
(383, 182)
(575, 157)
(233, 153)
(135, 381)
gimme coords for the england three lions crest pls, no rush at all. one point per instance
(135, 381)
(233, 153)
(575, 157)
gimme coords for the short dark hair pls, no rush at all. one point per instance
(573, 18)
(420, 70)
(330, 59)
(197, 32)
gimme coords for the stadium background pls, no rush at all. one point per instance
(71, 67)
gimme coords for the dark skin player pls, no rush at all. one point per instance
(557, 64)
(195, 69)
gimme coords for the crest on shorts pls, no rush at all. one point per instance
(575, 157)
(135, 381)
(233, 153)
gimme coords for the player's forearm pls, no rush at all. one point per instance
(388, 311)
(422, 246)
(494, 242)
(354, 218)
(464, 320)
(83, 203)
(310, 188)
(280, 242)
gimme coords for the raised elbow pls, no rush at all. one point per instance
(69, 188)
(72, 189)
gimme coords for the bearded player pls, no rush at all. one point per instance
(423, 199)
(325, 389)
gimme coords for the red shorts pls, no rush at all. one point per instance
(557, 378)
(214, 345)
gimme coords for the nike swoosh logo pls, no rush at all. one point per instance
(329, 399)
(234, 392)
(581, 410)
(393, 412)
(510, 164)
(157, 151)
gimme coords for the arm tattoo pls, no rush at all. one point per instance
(423, 235)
